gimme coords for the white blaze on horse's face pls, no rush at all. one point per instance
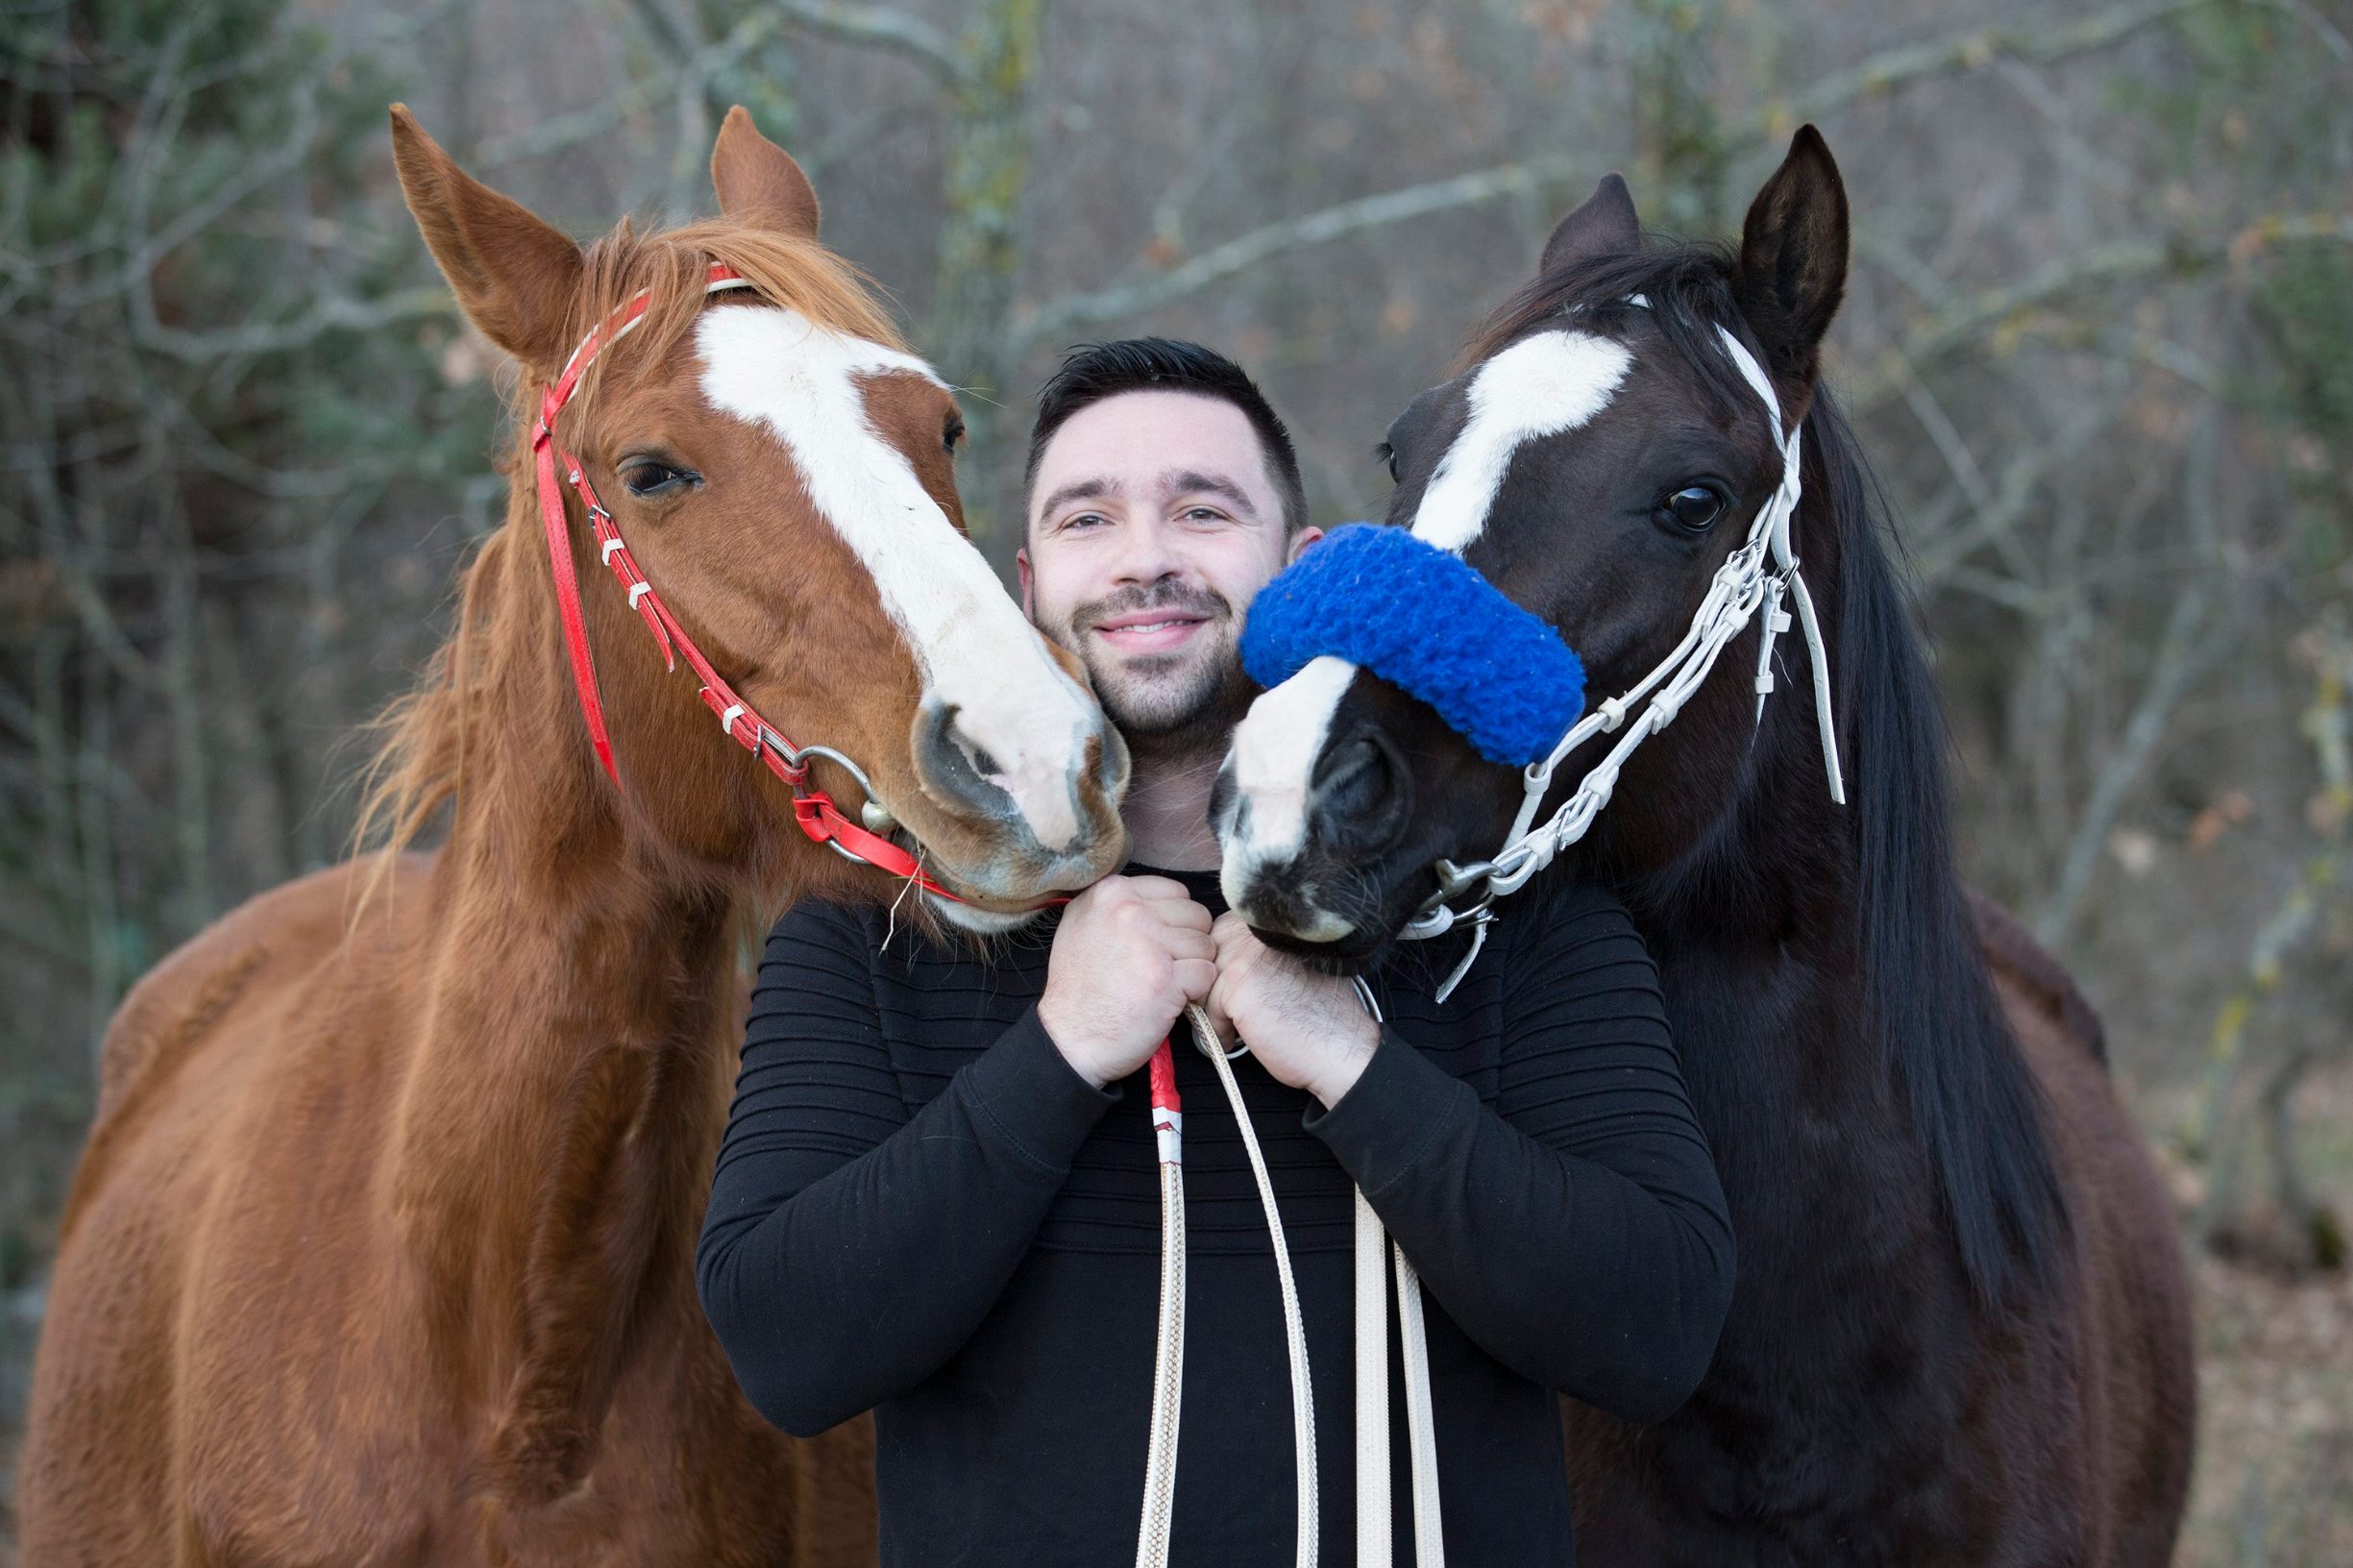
(1275, 748)
(1543, 385)
(976, 654)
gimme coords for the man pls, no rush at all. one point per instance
(938, 1196)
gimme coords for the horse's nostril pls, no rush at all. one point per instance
(1359, 790)
(954, 765)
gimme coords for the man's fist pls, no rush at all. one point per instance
(1307, 1029)
(1130, 953)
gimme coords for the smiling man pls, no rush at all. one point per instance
(938, 1197)
(1164, 494)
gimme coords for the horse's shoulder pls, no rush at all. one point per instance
(273, 938)
(2024, 967)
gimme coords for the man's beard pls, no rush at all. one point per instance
(1170, 704)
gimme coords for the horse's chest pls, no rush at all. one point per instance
(1865, 1437)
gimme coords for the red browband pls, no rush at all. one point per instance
(812, 808)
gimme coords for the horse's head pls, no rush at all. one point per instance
(1597, 459)
(780, 470)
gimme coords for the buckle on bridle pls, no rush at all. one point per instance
(872, 814)
(1436, 915)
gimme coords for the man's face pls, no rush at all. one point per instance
(1152, 524)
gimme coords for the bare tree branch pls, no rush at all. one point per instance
(1973, 50)
(332, 314)
(1316, 227)
(882, 28)
(1970, 51)
(1966, 320)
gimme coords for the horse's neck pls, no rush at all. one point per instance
(1832, 1197)
(572, 994)
(571, 1000)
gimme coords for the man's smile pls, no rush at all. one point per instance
(1158, 630)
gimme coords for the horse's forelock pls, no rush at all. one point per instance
(671, 266)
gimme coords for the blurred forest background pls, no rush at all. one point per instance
(2100, 339)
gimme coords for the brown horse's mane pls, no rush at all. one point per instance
(424, 738)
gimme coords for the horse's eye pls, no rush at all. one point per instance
(1693, 509)
(953, 435)
(647, 478)
(1387, 456)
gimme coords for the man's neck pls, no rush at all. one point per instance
(1167, 808)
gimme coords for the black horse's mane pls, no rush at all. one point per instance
(1971, 1099)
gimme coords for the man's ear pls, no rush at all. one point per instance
(514, 276)
(1029, 600)
(1793, 257)
(1606, 225)
(759, 185)
(1300, 541)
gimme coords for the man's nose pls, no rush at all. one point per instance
(1148, 552)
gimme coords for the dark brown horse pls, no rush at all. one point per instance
(1960, 1333)
(381, 1249)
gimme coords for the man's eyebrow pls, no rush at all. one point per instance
(1078, 490)
(1192, 481)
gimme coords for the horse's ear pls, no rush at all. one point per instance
(514, 274)
(1606, 225)
(1793, 256)
(759, 185)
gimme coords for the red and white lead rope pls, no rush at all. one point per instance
(812, 808)
(1372, 1365)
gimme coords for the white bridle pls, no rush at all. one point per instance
(1742, 585)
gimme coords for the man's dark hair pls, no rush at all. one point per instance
(1093, 371)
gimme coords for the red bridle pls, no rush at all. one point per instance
(812, 808)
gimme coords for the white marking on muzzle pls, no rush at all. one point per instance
(1539, 386)
(976, 653)
(1275, 748)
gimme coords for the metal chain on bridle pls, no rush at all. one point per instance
(1760, 574)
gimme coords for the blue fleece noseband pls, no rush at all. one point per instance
(1425, 620)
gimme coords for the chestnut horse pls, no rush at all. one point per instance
(381, 1250)
(1959, 1334)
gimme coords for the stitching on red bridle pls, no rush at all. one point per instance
(812, 808)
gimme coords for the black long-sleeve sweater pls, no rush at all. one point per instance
(921, 1209)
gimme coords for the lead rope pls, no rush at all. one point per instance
(1372, 1348)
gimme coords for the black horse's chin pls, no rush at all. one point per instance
(1374, 905)
(1353, 954)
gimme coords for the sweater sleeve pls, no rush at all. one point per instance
(1576, 1230)
(850, 1249)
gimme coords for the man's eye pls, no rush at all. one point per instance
(1204, 514)
(646, 478)
(1081, 521)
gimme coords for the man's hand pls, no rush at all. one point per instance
(1309, 1029)
(1130, 953)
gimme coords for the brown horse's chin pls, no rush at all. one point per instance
(1011, 888)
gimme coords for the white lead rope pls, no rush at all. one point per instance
(1373, 1508)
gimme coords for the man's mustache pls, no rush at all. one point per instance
(1200, 601)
